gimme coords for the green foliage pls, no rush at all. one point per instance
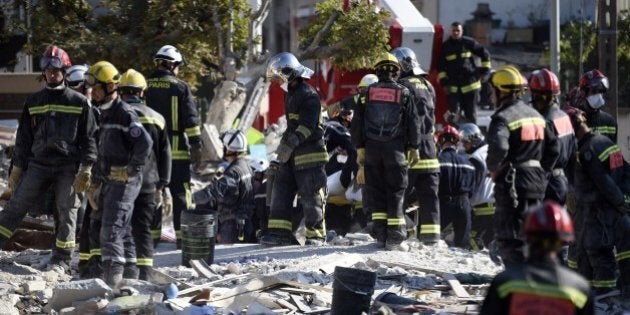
(361, 30)
(623, 58)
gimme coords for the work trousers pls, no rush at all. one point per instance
(310, 185)
(508, 226)
(457, 210)
(604, 246)
(141, 219)
(466, 102)
(339, 218)
(34, 183)
(385, 183)
(482, 233)
(182, 198)
(426, 187)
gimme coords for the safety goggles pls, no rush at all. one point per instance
(75, 84)
(52, 62)
(90, 80)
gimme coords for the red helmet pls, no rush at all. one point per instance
(55, 57)
(594, 79)
(576, 115)
(549, 220)
(450, 134)
(544, 81)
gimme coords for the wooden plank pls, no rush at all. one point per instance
(163, 278)
(299, 302)
(285, 304)
(306, 286)
(296, 290)
(210, 284)
(202, 268)
(457, 287)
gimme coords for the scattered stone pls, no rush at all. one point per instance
(234, 268)
(65, 293)
(32, 286)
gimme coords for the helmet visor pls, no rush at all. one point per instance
(50, 62)
(90, 80)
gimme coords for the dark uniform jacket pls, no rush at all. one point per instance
(603, 123)
(457, 65)
(560, 124)
(517, 138)
(172, 98)
(543, 287)
(157, 171)
(457, 174)
(424, 100)
(57, 127)
(122, 141)
(303, 111)
(337, 136)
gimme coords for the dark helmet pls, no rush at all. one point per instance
(55, 57)
(407, 60)
(549, 221)
(576, 115)
(470, 133)
(544, 81)
(594, 79)
(572, 98)
(449, 134)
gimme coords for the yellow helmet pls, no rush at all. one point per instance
(387, 62)
(133, 79)
(508, 79)
(102, 72)
(367, 80)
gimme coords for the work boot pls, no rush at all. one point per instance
(112, 273)
(278, 238)
(144, 273)
(130, 271)
(397, 246)
(95, 267)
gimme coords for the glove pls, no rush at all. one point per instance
(159, 198)
(240, 226)
(93, 193)
(118, 174)
(361, 176)
(82, 180)
(361, 156)
(167, 202)
(196, 153)
(14, 177)
(414, 156)
(285, 149)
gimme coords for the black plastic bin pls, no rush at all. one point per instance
(198, 236)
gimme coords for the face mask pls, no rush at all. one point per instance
(342, 158)
(596, 101)
(285, 86)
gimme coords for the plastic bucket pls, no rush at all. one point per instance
(352, 291)
(198, 236)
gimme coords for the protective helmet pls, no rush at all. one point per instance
(550, 220)
(594, 79)
(367, 80)
(407, 60)
(285, 67)
(234, 141)
(258, 165)
(133, 79)
(449, 134)
(169, 53)
(572, 98)
(508, 79)
(75, 75)
(102, 72)
(55, 57)
(387, 62)
(470, 133)
(544, 81)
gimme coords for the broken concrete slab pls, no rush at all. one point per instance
(65, 293)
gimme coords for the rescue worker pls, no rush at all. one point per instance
(544, 89)
(457, 176)
(541, 285)
(424, 176)
(54, 148)
(261, 209)
(459, 76)
(351, 102)
(301, 156)
(520, 153)
(232, 194)
(593, 85)
(155, 174)
(482, 196)
(384, 128)
(172, 98)
(604, 239)
(124, 148)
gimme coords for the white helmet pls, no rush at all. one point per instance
(285, 67)
(75, 75)
(169, 53)
(258, 165)
(234, 141)
(367, 80)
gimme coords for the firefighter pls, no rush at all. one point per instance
(155, 175)
(457, 176)
(172, 98)
(124, 148)
(520, 153)
(301, 156)
(459, 76)
(541, 285)
(232, 194)
(593, 85)
(384, 128)
(261, 209)
(351, 102)
(424, 176)
(482, 197)
(604, 240)
(55, 147)
(545, 88)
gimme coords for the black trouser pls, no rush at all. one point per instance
(386, 181)
(310, 185)
(426, 187)
(508, 226)
(557, 188)
(182, 197)
(457, 209)
(482, 233)
(156, 225)
(84, 243)
(144, 208)
(338, 218)
(604, 246)
(466, 102)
